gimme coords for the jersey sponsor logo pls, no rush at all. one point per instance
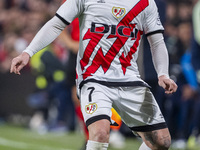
(118, 12)
(127, 31)
(121, 32)
(91, 108)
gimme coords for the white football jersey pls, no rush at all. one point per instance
(110, 34)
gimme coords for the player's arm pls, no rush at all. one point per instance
(47, 34)
(161, 62)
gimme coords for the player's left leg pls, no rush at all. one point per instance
(157, 139)
(143, 117)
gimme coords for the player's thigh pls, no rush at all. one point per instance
(157, 139)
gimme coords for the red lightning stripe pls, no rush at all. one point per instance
(125, 61)
(94, 40)
(105, 61)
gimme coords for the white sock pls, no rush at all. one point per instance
(143, 146)
(93, 145)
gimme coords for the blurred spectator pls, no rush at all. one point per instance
(176, 18)
(184, 10)
(52, 92)
(195, 55)
(171, 11)
(19, 22)
(180, 102)
(70, 38)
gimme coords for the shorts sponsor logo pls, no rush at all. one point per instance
(118, 12)
(91, 108)
(158, 21)
(161, 116)
(100, 1)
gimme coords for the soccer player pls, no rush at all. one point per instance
(107, 73)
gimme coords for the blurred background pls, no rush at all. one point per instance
(40, 105)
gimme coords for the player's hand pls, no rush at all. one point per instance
(19, 62)
(168, 84)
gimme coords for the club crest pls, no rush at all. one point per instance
(91, 108)
(118, 12)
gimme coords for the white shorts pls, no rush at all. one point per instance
(136, 105)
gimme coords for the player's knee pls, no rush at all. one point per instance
(101, 135)
(163, 144)
(99, 131)
(157, 140)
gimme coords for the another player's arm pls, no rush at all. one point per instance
(161, 62)
(47, 34)
(69, 42)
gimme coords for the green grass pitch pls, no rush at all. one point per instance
(19, 138)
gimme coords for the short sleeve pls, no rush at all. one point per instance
(70, 10)
(152, 23)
